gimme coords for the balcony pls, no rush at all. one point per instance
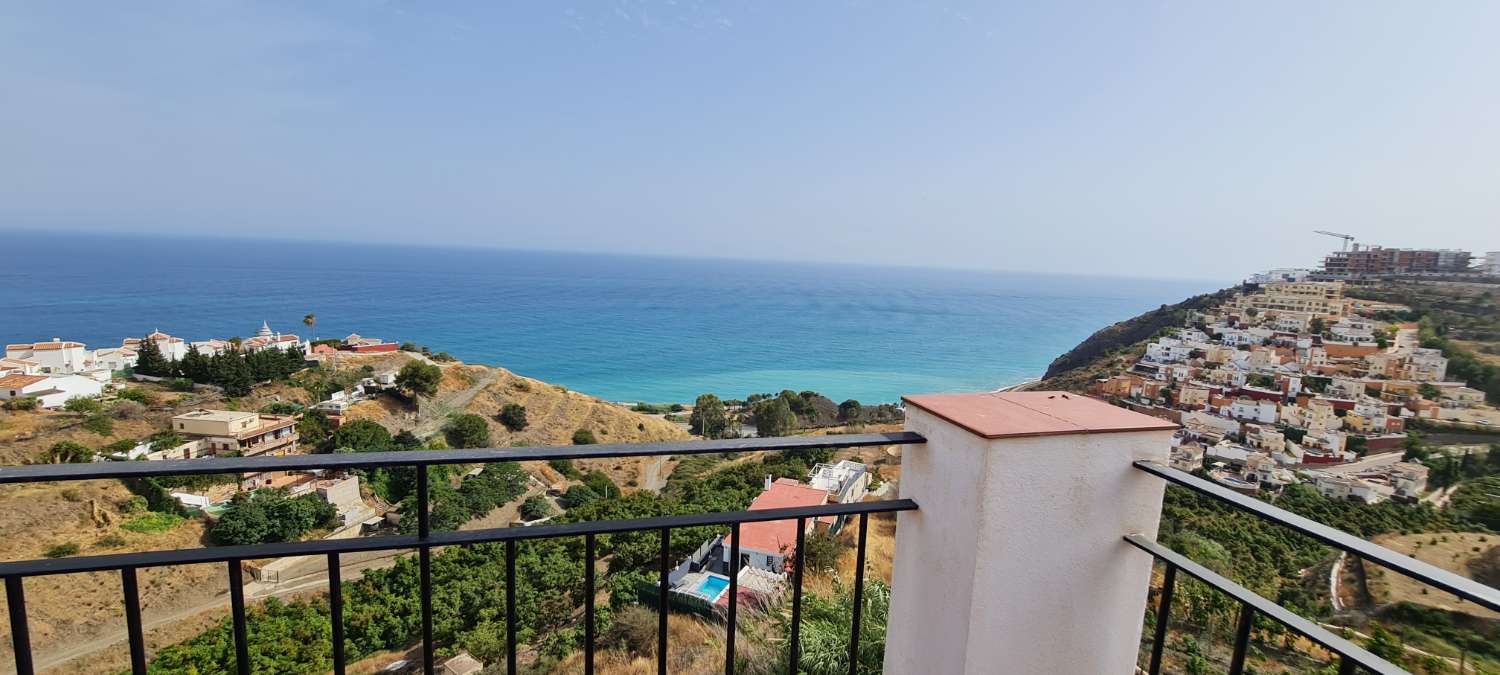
(1025, 544)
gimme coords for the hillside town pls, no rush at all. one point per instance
(1292, 381)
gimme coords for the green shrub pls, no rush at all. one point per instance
(22, 403)
(110, 541)
(134, 504)
(565, 467)
(513, 416)
(100, 423)
(467, 431)
(584, 437)
(138, 395)
(180, 384)
(61, 550)
(150, 523)
(535, 507)
(83, 405)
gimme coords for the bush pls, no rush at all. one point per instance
(584, 437)
(580, 495)
(83, 405)
(128, 410)
(138, 395)
(100, 423)
(134, 504)
(110, 541)
(267, 516)
(565, 467)
(61, 550)
(513, 416)
(22, 403)
(72, 494)
(467, 431)
(150, 523)
(68, 452)
(281, 408)
(180, 384)
(820, 551)
(535, 507)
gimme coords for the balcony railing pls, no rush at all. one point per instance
(1350, 655)
(425, 540)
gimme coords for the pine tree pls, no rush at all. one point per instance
(149, 361)
(232, 373)
(195, 366)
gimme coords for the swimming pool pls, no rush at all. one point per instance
(713, 586)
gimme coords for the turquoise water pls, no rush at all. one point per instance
(624, 328)
(712, 586)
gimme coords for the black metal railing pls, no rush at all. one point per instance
(1351, 656)
(425, 540)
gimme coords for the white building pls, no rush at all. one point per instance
(845, 481)
(115, 358)
(265, 339)
(1280, 274)
(1168, 350)
(55, 357)
(1491, 264)
(51, 391)
(171, 348)
(1253, 410)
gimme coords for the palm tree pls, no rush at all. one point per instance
(310, 320)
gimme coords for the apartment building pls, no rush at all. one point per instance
(245, 434)
(1377, 261)
(1318, 298)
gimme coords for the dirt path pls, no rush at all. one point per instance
(652, 478)
(431, 415)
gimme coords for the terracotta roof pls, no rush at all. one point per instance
(781, 535)
(45, 346)
(1034, 413)
(20, 381)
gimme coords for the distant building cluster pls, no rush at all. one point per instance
(1292, 381)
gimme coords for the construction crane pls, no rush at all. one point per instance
(1348, 238)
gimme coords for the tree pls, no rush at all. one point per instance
(83, 405)
(1316, 325)
(1384, 644)
(22, 403)
(266, 516)
(584, 437)
(196, 367)
(231, 373)
(312, 428)
(311, 321)
(580, 495)
(149, 360)
(467, 431)
(710, 419)
(362, 436)
(599, 482)
(513, 416)
(419, 379)
(68, 452)
(850, 411)
(1429, 392)
(535, 507)
(773, 417)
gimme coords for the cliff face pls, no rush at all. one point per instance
(1074, 368)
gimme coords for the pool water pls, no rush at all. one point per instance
(713, 586)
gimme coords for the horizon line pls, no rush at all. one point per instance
(1225, 283)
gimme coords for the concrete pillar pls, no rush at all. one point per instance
(1013, 562)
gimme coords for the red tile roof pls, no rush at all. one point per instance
(778, 537)
(20, 381)
(1034, 413)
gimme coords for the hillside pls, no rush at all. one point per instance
(74, 613)
(553, 414)
(1109, 347)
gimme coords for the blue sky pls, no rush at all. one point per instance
(1196, 140)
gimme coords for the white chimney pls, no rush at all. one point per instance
(768, 481)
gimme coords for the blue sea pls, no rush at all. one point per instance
(619, 327)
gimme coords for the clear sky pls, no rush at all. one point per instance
(1166, 139)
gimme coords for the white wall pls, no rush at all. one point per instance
(1014, 561)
